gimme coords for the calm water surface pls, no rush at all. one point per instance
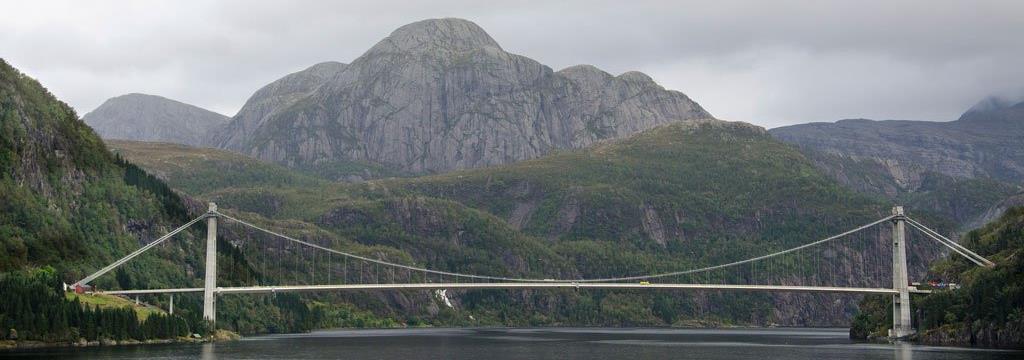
(498, 344)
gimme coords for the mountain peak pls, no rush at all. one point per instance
(584, 70)
(439, 95)
(147, 117)
(994, 108)
(449, 33)
(989, 104)
(140, 97)
(586, 74)
(635, 76)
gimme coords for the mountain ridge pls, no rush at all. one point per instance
(440, 94)
(978, 144)
(145, 117)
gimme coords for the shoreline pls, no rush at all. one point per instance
(226, 336)
(20, 345)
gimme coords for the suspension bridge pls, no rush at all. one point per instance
(807, 268)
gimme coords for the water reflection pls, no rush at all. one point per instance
(543, 343)
(208, 352)
(904, 351)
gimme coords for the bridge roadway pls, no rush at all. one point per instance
(512, 285)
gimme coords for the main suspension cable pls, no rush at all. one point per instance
(517, 279)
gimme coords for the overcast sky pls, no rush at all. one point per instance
(770, 63)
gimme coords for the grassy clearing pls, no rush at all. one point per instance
(110, 301)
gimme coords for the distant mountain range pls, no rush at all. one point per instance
(153, 118)
(441, 95)
(987, 141)
(434, 96)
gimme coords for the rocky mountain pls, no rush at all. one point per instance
(987, 141)
(439, 95)
(153, 118)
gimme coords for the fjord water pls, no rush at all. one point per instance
(546, 343)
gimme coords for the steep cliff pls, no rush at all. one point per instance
(273, 97)
(153, 118)
(439, 95)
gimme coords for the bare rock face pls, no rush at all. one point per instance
(277, 95)
(153, 118)
(439, 95)
(987, 141)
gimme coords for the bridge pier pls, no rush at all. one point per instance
(210, 281)
(901, 323)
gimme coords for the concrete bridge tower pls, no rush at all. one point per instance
(210, 281)
(901, 325)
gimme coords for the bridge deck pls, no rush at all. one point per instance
(540, 285)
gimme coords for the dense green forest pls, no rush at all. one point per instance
(33, 307)
(987, 309)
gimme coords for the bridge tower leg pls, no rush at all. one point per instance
(901, 325)
(210, 281)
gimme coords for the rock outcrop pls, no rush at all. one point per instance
(153, 118)
(439, 95)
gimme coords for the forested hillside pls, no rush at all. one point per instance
(68, 203)
(670, 198)
(65, 199)
(198, 171)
